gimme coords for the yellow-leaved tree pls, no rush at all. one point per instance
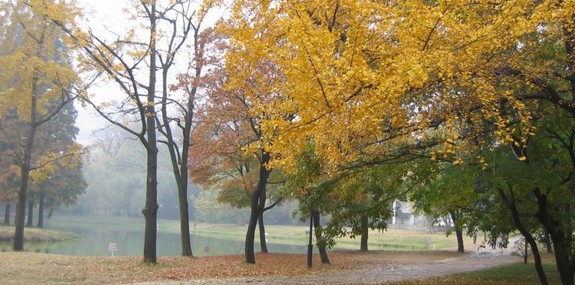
(368, 77)
(37, 82)
(368, 81)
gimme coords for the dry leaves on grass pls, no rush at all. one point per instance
(25, 268)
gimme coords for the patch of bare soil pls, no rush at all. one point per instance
(39, 268)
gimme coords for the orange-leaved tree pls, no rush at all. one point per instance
(227, 148)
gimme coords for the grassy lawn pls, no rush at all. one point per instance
(395, 239)
(35, 234)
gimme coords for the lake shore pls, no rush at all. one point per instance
(36, 234)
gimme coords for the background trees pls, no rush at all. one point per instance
(114, 173)
(38, 83)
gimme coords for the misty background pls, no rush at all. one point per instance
(114, 170)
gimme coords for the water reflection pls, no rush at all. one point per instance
(94, 242)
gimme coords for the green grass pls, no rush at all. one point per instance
(85, 222)
(512, 274)
(35, 234)
(392, 239)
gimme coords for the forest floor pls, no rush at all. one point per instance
(348, 267)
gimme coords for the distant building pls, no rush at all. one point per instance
(404, 216)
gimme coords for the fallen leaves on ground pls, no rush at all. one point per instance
(27, 267)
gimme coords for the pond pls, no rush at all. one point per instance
(95, 241)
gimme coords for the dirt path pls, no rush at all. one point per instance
(374, 275)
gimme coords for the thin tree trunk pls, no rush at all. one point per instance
(180, 161)
(25, 173)
(41, 208)
(7, 213)
(261, 224)
(150, 211)
(320, 245)
(30, 222)
(310, 243)
(256, 208)
(528, 237)
(184, 222)
(562, 242)
(364, 232)
(250, 234)
(458, 232)
(262, 230)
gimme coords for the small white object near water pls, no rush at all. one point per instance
(112, 247)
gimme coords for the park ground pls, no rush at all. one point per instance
(348, 267)
(417, 258)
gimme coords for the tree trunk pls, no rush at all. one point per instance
(364, 232)
(536, 256)
(151, 209)
(320, 245)
(30, 222)
(250, 234)
(7, 214)
(180, 161)
(261, 223)
(25, 173)
(184, 221)
(563, 260)
(41, 209)
(528, 237)
(458, 231)
(310, 243)
(256, 207)
(262, 230)
(562, 241)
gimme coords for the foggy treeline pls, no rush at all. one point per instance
(114, 170)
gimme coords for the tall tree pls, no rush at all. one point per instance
(141, 63)
(66, 182)
(314, 191)
(225, 152)
(185, 23)
(37, 85)
(234, 129)
(449, 194)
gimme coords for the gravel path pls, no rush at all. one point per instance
(388, 273)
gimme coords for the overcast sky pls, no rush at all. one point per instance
(97, 13)
(105, 17)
